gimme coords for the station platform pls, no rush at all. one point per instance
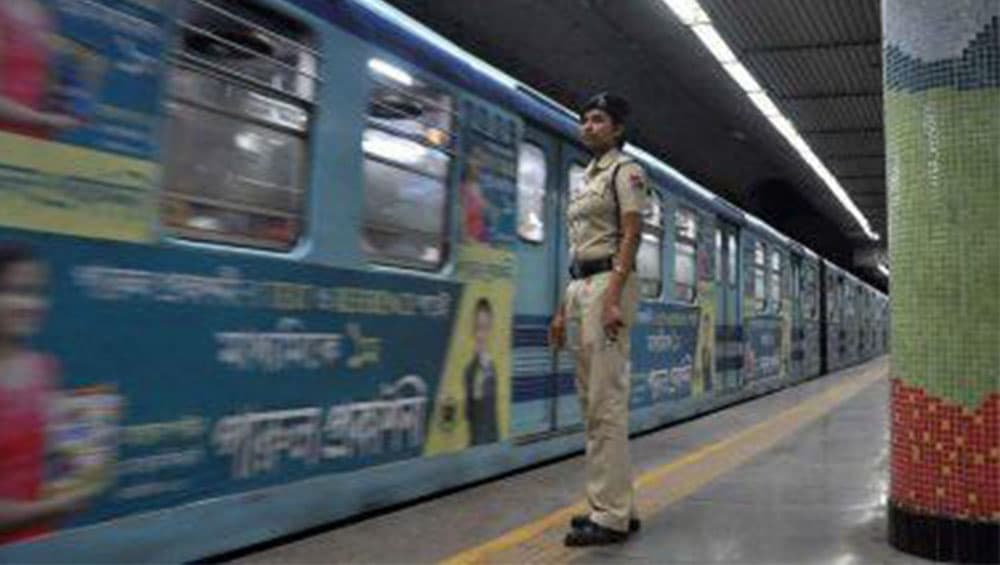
(798, 476)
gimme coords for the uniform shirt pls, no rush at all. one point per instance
(593, 227)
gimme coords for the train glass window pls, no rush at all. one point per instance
(685, 253)
(531, 174)
(775, 296)
(733, 256)
(649, 259)
(718, 255)
(811, 294)
(574, 179)
(239, 110)
(407, 148)
(834, 298)
(759, 277)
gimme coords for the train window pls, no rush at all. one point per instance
(775, 283)
(685, 253)
(733, 256)
(759, 277)
(811, 296)
(649, 259)
(574, 179)
(719, 276)
(834, 298)
(407, 148)
(239, 111)
(531, 174)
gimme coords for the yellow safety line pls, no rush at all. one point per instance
(788, 421)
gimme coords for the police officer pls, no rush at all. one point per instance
(598, 308)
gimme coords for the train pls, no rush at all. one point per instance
(271, 264)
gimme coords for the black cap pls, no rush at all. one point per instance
(615, 106)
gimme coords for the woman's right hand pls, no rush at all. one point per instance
(557, 331)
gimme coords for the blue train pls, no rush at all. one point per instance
(267, 264)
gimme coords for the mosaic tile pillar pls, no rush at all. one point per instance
(942, 128)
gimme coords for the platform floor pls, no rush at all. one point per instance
(799, 476)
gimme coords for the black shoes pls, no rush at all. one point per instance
(577, 522)
(584, 532)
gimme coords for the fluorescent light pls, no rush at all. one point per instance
(691, 14)
(764, 104)
(742, 76)
(716, 45)
(390, 71)
(883, 269)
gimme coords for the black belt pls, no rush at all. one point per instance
(584, 269)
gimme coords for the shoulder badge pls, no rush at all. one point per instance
(636, 181)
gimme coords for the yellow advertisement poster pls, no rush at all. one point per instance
(704, 360)
(473, 401)
(81, 85)
(53, 187)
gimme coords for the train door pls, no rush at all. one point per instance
(535, 372)
(573, 161)
(728, 332)
(798, 325)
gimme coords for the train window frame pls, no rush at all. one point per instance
(811, 293)
(734, 255)
(719, 275)
(651, 236)
(759, 272)
(266, 122)
(524, 148)
(688, 242)
(835, 298)
(420, 151)
(775, 290)
(575, 173)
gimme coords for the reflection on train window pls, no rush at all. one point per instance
(759, 277)
(574, 179)
(649, 259)
(733, 256)
(775, 281)
(408, 150)
(239, 112)
(531, 175)
(833, 298)
(685, 252)
(718, 255)
(810, 294)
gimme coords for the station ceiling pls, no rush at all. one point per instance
(820, 61)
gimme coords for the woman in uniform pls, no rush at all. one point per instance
(599, 306)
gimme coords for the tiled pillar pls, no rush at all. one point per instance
(942, 127)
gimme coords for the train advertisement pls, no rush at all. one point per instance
(80, 88)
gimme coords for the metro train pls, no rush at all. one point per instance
(270, 264)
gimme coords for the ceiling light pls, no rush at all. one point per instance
(716, 45)
(764, 104)
(691, 14)
(742, 76)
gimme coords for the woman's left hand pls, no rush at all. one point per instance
(611, 317)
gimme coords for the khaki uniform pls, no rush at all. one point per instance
(602, 373)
